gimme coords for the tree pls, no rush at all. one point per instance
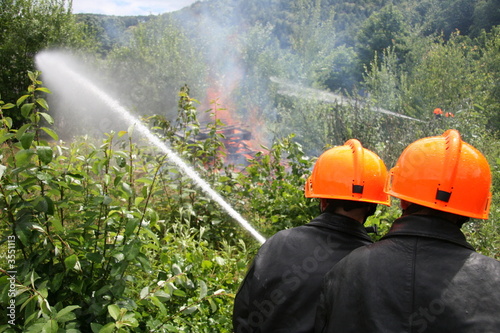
(486, 16)
(381, 30)
(27, 27)
(157, 61)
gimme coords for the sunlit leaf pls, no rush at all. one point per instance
(48, 118)
(50, 132)
(43, 103)
(21, 100)
(114, 311)
(26, 109)
(7, 106)
(46, 90)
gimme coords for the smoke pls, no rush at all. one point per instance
(75, 110)
(61, 71)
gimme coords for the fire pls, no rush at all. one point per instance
(239, 141)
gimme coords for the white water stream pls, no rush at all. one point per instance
(290, 89)
(50, 64)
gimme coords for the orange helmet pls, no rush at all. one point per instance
(349, 172)
(444, 173)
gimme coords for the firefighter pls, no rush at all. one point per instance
(423, 275)
(438, 113)
(281, 288)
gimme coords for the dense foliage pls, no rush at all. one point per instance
(109, 234)
(113, 237)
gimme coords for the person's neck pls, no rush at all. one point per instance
(358, 214)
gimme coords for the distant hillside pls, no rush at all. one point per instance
(431, 16)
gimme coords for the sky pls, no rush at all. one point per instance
(129, 7)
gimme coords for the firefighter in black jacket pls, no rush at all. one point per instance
(281, 288)
(423, 276)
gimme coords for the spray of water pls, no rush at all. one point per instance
(290, 89)
(47, 62)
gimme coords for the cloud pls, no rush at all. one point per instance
(129, 7)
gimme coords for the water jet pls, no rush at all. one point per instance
(51, 63)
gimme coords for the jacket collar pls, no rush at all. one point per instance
(428, 226)
(340, 223)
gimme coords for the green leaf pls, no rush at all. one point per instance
(121, 161)
(159, 304)
(50, 132)
(162, 296)
(21, 130)
(179, 293)
(107, 200)
(144, 292)
(220, 261)
(114, 311)
(43, 103)
(46, 90)
(27, 139)
(21, 100)
(70, 262)
(131, 250)
(8, 122)
(203, 288)
(7, 106)
(94, 257)
(65, 311)
(176, 269)
(32, 76)
(44, 154)
(41, 205)
(26, 109)
(56, 224)
(189, 310)
(138, 200)
(6, 137)
(127, 189)
(108, 328)
(95, 327)
(206, 264)
(130, 226)
(48, 118)
(144, 180)
(56, 281)
(51, 326)
(23, 157)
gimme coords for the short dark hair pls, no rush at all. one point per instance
(348, 205)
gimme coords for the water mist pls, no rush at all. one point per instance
(53, 65)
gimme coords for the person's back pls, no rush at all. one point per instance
(286, 274)
(282, 287)
(422, 276)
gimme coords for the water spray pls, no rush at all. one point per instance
(291, 89)
(47, 62)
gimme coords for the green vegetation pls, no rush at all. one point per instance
(111, 237)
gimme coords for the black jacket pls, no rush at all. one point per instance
(281, 288)
(421, 277)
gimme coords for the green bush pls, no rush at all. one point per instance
(109, 236)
